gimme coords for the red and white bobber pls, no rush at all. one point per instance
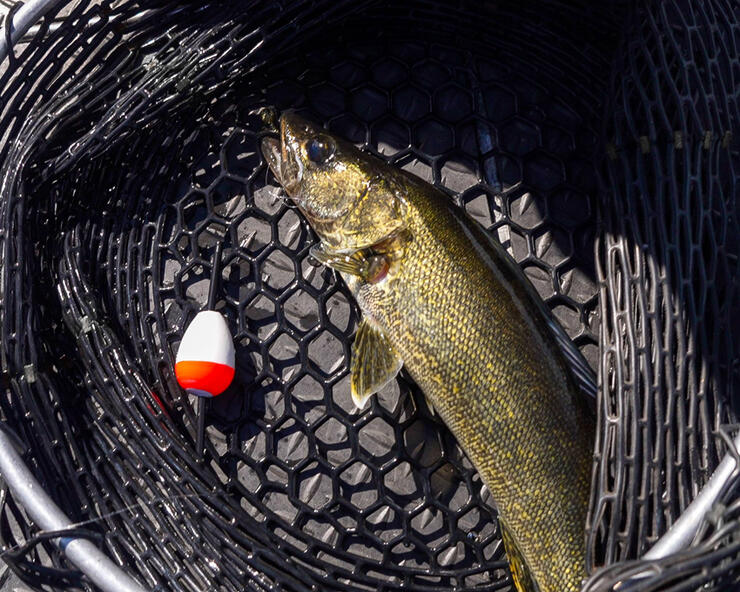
(204, 365)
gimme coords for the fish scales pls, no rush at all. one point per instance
(438, 294)
(475, 351)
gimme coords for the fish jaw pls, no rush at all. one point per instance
(271, 151)
(287, 175)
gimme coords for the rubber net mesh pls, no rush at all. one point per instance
(595, 142)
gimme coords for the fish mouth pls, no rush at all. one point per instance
(285, 163)
(277, 159)
(281, 159)
(283, 156)
(271, 150)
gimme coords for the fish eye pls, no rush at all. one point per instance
(319, 150)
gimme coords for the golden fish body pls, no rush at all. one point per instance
(440, 296)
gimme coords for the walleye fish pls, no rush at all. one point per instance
(443, 299)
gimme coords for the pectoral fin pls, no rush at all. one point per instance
(368, 267)
(520, 572)
(353, 263)
(374, 363)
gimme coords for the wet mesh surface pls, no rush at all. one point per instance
(118, 184)
(668, 267)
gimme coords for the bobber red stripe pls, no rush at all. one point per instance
(210, 377)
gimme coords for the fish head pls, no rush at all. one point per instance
(351, 199)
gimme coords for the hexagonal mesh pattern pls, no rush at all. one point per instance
(133, 171)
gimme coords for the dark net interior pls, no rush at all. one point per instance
(595, 142)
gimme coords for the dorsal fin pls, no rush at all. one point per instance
(582, 373)
(577, 366)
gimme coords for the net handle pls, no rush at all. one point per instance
(27, 491)
(22, 19)
(686, 526)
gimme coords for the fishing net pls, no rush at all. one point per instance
(669, 301)
(128, 151)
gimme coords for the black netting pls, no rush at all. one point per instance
(668, 269)
(129, 150)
